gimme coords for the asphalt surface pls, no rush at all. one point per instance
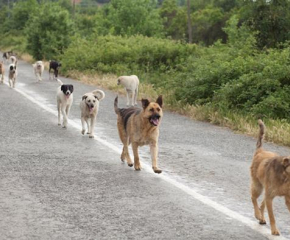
(56, 183)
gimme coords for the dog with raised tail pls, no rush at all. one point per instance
(271, 172)
(89, 109)
(13, 60)
(38, 68)
(140, 127)
(64, 99)
(131, 84)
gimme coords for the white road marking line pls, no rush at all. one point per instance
(203, 199)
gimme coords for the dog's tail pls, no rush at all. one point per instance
(100, 94)
(116, 105)
(59, 81)
(261, 134)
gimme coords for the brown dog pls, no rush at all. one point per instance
(272, 172)
(2, 72)
(140, 127)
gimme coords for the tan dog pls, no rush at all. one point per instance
(140, 127)
(89, 110)
(271, 172)
(2, 72)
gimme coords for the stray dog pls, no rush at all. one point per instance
(2, 72)
(38, 69)
(6, 55)
(54, 65)
(140, 127)
(12, 75)
(89, 110)
(13, 60)
(271, 172)
(64, 101)
(131, 84)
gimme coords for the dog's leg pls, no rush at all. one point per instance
(127, 98)
(92, 127)
(83, 125)
(256, 190)
(262, 210)
(269, 204)
(58, 112)
(88, 125)
(13, 82)
(154, 151)
(287, 201)
(135, 99)
(137, 164)
(63, 111)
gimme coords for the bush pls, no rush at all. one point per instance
(48, 32)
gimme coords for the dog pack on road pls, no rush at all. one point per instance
(139, 126)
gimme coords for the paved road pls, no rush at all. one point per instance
(57, 184)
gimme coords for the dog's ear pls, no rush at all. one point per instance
(286, 161)
(160, 101)
(96, 97)
(145, 103)
(71, 88)
(84, 97)
(62, 88)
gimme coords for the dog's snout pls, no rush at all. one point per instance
(92, 105)
(156, 116)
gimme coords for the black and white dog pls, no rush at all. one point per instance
(64, 101)
(12, 75)
(6, 55)
(54, 65)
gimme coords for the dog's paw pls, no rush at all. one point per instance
(275, 232)
(130, 165)
(137, 167)
(156, 170)
(64, 126)
(262, 221)
(58, 124)
(83, 132)
(91, 136)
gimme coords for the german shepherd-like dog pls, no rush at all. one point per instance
(140, 127)
(271, 172)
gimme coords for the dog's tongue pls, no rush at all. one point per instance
(67, 96)
(155, 121)
(91, 110)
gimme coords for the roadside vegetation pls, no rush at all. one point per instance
(226, 62)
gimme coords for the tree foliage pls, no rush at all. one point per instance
(49, 31)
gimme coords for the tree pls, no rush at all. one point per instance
(174, 19)
(270, 19)
(131, 17)
(49, 31)
(189, 25)
(21, 12)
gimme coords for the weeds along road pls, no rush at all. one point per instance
(58, 184)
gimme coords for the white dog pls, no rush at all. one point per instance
(64, 101)
(89, 110)
(13, 60)
(38, 69)
(131, 84)
(12, 75)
